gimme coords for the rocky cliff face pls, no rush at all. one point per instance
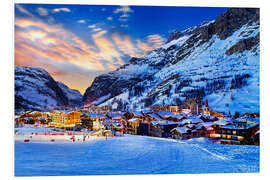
(217, 60)
(35, 89)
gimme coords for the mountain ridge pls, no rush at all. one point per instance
(35, 89)
(202, 51)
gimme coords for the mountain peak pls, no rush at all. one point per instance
(217, 60)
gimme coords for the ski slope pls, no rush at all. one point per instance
(133, 155)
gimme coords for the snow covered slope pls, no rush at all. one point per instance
(35, 89)
(217, 60)
(133, 155)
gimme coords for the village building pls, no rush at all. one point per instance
(177, 117)
(97, 125)
(106, 108)
(196, 121)
(168, 108)
(217, 115)
(240, 132)
(132, 126)
(115, 127)
(173, 108)
(154, 117)
(206, 109)
(38, 114)
(86, 121)
(137, 114)
(256, 138)
(144, 128)
(158, 108)
(164, 114)
(186, 111)
(181, 133)
(116, 117)
(162, 128)
(58, 118)
(73, 118)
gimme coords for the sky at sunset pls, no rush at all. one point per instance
(76, 43)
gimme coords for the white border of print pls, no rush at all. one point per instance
(7, 88)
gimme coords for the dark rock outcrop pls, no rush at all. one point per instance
(244, 44)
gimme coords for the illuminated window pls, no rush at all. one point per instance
(240, 138)
(234, 132)
(228, 137)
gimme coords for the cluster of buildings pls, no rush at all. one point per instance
(160, 121)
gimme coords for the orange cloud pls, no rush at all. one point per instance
(107, 51)
(125, 45)
(144, 46)
(155, 40)
(70, 59)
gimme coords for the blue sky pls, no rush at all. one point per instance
(75, 43)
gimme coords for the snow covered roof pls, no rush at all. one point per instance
(165, 113)
(178, 116)
(186, 121)
(64, 111)
(133, 120)
(145, 111)
(191, 125)
(235, 126)
(181, 129)
(110, 123)
(116, 115)
(154, 116)
(137, 113)
(164, 122)
(221, 122)
(196, 121)
(94, 115)
(199, 126)
(209, 128)
(205, 124)
(154, 122)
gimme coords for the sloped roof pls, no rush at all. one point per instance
(182, 130)
(195, 120)
(178, 116)
(137, 113)
(165, 113)
(233, 126)
(154, 116)
(116, 115)
(221, 122)
(145, 111)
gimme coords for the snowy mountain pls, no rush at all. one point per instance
(35, 89)
(217, 60)
(73, 95)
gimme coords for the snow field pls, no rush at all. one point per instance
(133, 155)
